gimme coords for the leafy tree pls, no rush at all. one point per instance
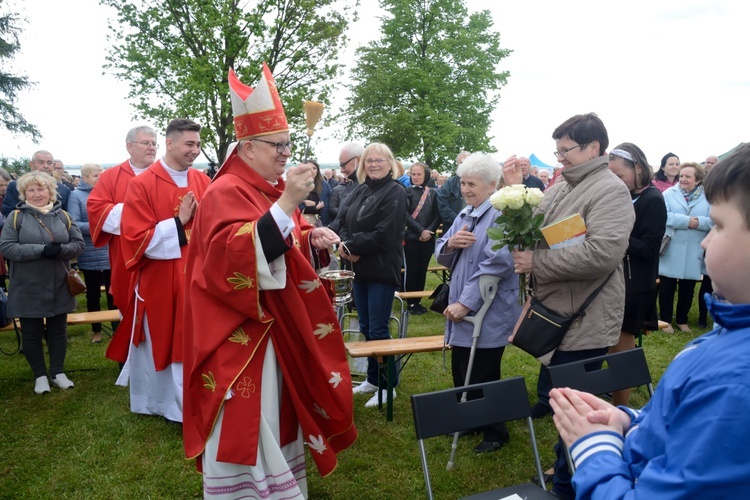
(428, 86)
(11, 84)
(15, 165)
(175, 54)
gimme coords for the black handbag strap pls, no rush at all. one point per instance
(591, 297)
(453, 265)
(18, 339)
(458, 254)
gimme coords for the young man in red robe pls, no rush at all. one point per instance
(105, 207)
(156, 221)
(265, 366)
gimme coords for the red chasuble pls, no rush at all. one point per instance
(151, 198)
(108, 192)
(230, 321)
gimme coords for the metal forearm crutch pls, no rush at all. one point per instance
(488, 290)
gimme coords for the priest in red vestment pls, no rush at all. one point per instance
(157, 218)
(265, 366)
(105, 206)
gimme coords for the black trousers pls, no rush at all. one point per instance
(561, 481)
(706, 287)
(417, 254)
(56, 333)
(94, 281)
(486, 368)
(685, 292)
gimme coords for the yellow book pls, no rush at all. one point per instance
(565, 232)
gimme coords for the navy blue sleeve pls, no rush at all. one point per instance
(11, 199)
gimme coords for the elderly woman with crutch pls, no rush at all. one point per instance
(467, 250)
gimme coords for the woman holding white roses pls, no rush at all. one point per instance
(563, 278)
(467, 250)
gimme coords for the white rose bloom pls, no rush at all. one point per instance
(515, 196)
(497, 200)
(534, 196)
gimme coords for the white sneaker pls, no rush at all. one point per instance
(365, 388)
(373, 401)
(41, 385)
(62, 381)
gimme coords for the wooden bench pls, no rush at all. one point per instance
(438, 269)
(385, 352)
(82, 318)
(421, 294)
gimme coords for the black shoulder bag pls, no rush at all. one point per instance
(440, 295)
(541, 330)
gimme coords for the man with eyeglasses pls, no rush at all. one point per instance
(265, 366)
(105, 206)
(41, 161)
(59, 167)
(157, 218)
(348, 162)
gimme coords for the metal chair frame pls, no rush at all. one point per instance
(441, 412)
(623, 370)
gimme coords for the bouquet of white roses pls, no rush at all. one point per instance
(517, 227)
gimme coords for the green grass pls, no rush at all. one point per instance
(85, 443)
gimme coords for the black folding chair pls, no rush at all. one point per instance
(623, 370)
(603, 374)
(440, 413)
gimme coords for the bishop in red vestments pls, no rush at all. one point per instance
(156, 222)
(265, 366)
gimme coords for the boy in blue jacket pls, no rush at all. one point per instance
(692, 440)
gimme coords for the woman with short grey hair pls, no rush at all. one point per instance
(482, 166)
(466, 249)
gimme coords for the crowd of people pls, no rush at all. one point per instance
(226, 329)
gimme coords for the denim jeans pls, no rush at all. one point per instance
(374, 304)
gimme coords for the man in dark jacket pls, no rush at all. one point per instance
(349, 162)
(40, 161)
(529, 180)
(449, 198)
(330, 177)
(59, 167)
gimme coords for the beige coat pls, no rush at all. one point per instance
(565, 277)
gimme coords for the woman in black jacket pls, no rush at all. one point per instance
(641, 262)
(422, 219)
(372, 239)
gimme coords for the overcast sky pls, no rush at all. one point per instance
(668, 75)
